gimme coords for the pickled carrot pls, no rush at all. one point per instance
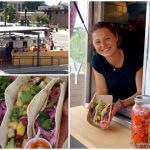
(137, 138)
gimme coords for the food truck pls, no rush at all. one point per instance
(133, 20)
(29, 46)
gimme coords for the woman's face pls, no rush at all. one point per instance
(105, 42)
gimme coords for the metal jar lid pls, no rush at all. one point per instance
(144, 99)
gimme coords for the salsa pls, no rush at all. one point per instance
(39, 143)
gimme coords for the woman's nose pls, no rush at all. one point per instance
(103, 44)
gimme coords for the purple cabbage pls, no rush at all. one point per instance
(50, 135)
(2, 110)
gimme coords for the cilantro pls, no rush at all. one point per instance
(26, 97)
(45, 120)
(17, 112)
(47, 124)
(42, 117)
(94, 105)
(29, 92)
(50, 105)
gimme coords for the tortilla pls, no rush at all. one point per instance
(106, 117)
(10, 98)
(42, 98)
(37, 104)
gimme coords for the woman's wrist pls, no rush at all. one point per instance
(123, 103)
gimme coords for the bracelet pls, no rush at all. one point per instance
(123, 103)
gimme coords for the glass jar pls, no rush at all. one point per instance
(140, 115)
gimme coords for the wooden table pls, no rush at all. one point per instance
(116, 136)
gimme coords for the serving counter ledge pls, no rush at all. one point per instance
(116, 136)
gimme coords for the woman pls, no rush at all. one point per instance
(117, 71)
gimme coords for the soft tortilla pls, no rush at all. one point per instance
(10, 98)
(37, 104)
(42, 97)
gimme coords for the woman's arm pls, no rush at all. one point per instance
(129, 101)
(100, 83)
(138, 79)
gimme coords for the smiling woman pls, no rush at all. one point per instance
(115, 71)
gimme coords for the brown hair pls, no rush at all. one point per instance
(111, 27)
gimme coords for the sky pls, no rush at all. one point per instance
(50, 2)
(82, 5)
(54, 2)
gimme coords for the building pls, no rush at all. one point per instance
(58, 14)
(18, 5)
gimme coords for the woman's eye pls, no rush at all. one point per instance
(108, 38)
(97, 42)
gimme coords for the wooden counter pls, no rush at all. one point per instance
(116, 136)
(45, 58)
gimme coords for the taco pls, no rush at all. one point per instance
(18, 95)
(99, 114)
(48, 115)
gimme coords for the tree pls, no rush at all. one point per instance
(40, 18)
(77, 45)
(11, 13)
(33, 6)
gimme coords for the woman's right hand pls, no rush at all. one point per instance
(116, 107)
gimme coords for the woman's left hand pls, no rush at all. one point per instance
(64, 125)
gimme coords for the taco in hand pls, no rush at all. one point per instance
(99, 114)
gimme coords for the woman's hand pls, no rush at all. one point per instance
(64, 125)
(116, 107)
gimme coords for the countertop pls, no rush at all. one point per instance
(116, 136)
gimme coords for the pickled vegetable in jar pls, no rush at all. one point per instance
(140, 116)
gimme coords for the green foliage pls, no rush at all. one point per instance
(11, 13)
(77, 45)
(40, 18)
(32, 6)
